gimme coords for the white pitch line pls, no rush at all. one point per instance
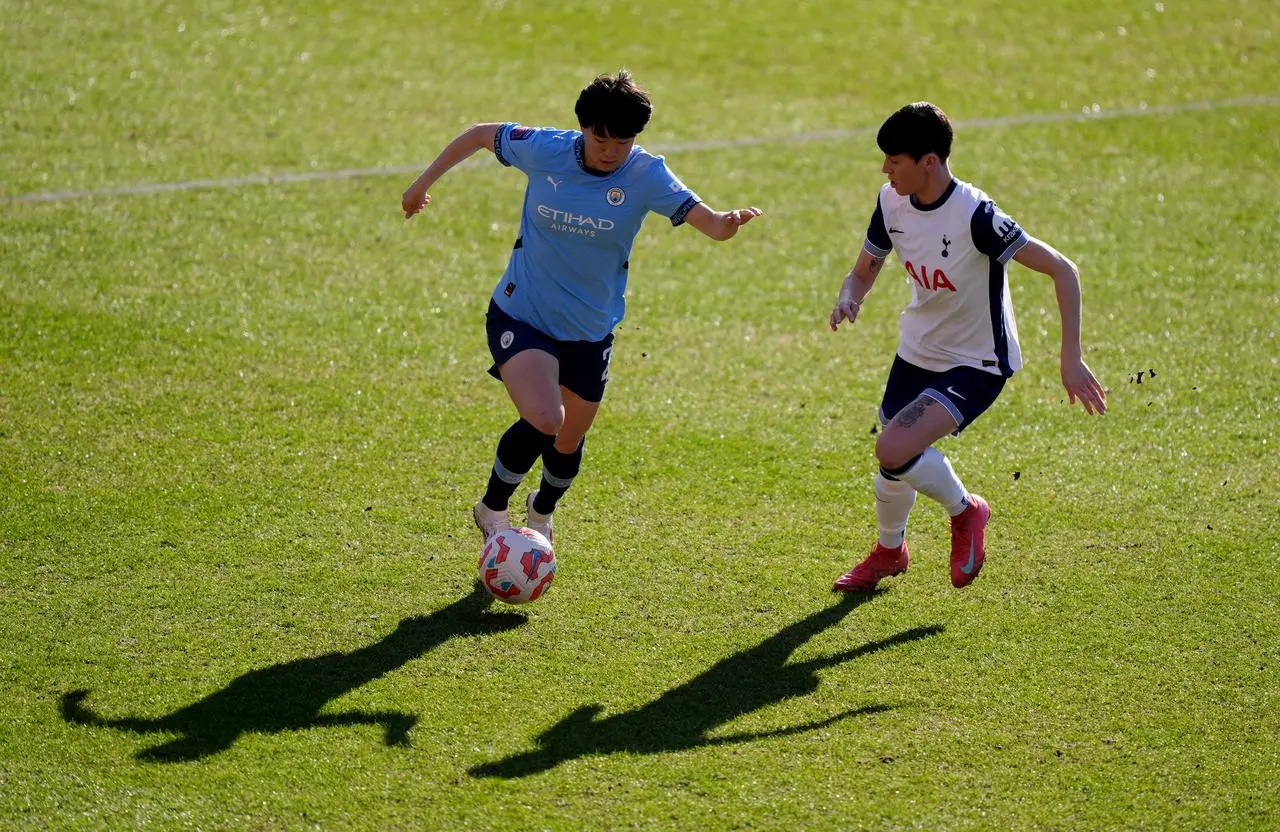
(677, 147)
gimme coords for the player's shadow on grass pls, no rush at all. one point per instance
(683, 717)
(289, 696)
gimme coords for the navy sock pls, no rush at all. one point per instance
(558, 471)
(518, 449)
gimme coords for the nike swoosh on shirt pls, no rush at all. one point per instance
(895, 231)
(957, 395)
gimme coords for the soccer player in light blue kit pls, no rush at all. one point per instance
(551, 318)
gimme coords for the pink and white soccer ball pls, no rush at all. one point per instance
(517, 565)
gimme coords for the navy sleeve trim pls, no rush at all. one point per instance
(980, 228)
(683, 211)
(1014, 247)
(875, 251)
(497, 142)
(878, 241)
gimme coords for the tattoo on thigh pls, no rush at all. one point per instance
(911, 414)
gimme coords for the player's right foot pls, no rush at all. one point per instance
(969, 541)
(488, 521)
(540, 523)
(881, 563)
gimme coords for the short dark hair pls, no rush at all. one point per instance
(916, 130)
(614, 106)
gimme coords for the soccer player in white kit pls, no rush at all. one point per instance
(958, 340)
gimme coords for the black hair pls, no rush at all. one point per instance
(916, 130)
(612, 105)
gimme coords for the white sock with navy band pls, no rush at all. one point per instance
(894, 499)
(932, 475)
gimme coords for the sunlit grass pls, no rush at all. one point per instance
(241, 430)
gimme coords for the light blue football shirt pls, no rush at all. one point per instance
(567, 275)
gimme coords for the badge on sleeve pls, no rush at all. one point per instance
(1006, 229)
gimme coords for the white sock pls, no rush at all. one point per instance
(933, 477)
(894, 499)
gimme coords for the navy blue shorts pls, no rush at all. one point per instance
(966, 392)
(584, 365)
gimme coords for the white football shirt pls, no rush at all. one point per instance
(954, 252)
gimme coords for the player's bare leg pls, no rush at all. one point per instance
(532, 379)
(913, 429)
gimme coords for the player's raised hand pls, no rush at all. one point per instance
(733, 220)
(720, 225)
(414, 200)
(1082, 385)
(846, 310)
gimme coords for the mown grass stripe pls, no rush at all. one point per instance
(290, 178)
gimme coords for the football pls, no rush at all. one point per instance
(517, 565)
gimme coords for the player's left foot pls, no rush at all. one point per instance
(881, 563)
(540, 523)
(488, 521)
(969, 541)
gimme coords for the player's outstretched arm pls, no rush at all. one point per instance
(857, 285)
(1076, 375)
(474, 138)
(720, 225)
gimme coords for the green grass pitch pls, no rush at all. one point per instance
(244, 415)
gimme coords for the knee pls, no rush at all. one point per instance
(569, 443)
(548, 420)
(892, 455)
